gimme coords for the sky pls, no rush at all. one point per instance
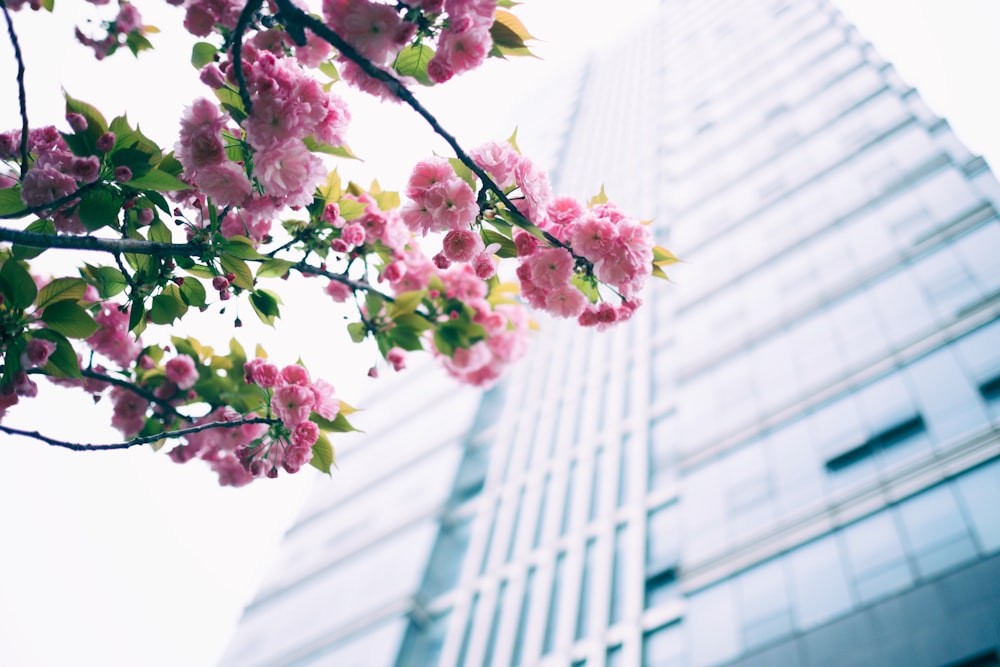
(127, 558)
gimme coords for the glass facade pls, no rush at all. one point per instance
(789, 457)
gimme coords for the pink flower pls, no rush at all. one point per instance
(565, 301)
(374, 29)
(289, 172)
(129, 411)
(339, 291)
(591, 237)
(106, 142)
(353, 234)
(226, 183)
(397, 358)
(292, 404)
(427, 174)
(305, 435)
(461, 245)
(326, 404)
(181, 371)
(483, 265)
(113, 339)
(295, 374)
(452, 203)
(551, 268)
(296, 456)
(37, 352)
(498, 160)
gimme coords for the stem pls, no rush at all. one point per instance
(142, 440)
(21, 96)
(113, 246)
(309, 269)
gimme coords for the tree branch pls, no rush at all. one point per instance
(114, 246)
(292, 14)
(241, 27)
(21, 96)
(142, 440)
(310, 270)
(52, 205)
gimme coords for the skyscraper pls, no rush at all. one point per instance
(789, 458)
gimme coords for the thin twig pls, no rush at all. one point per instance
(21, 96)
(241, 27)
(114, 246)
(52, 205)
(142, 440)
(129, 386)
(310, 270)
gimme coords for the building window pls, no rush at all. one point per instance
(552, 620)
(617, 610)
(583, 608)
(663, 647)
(894, 435)
(516, 653)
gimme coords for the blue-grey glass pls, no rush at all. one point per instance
(980, 492)
(876, 558)
(614, 656)
(664, 647)
(491, 640)
(819, 586)
(712, 626)
(763, 598)
(935, 530)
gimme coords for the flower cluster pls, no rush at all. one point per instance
(124, 30)
(293, 399)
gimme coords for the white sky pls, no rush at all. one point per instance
(129, 559)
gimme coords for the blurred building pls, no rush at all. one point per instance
(790, 457)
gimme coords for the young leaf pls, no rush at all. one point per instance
(17, 285)
(405, 303)
(463, 172)
(10, 200)
(202, 53)
(412, 61)
(61, 289)
(37, 227)
(265, 304)
(69, 319)
(244, 278)
(322, 454)
(599, 198)
(274, 268)
(358, 331)
(99, 208)
(157, 179)
(193, 293)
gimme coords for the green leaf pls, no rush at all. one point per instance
(408, 339)
(136, 42)
(663, 257)
(588, 286)
(159, 180)
(201, 271)
(358, 331)
(170, 165)
(138, 161)
(322, 458)
(36, 227)
(239, 268)
(69, 319)
(99, 208)
(265, 304)
(317, 146)
(62, 362)
(203, 53)
(17, 285)
(405, 303)
(509, 35)
(412, 61)
(338, 425)
(166, 308)
(351, 209)
(512, 140)
(241, 247)
(137, 317)
(412, 322)
(373, 303)
(507, 247)
(599, 198)
(193, 293)
(108, 280)
(10, 200)
(463, 172)
(274, 268)
(387, 201)
(159, 232)
(61, 289)
(330, 70)
(96, 124)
